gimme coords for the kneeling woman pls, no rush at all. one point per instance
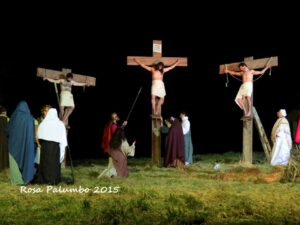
(53, 139)
(119, 150)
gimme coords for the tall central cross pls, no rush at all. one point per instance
(156, 56)
(248, 124)
(156, 121)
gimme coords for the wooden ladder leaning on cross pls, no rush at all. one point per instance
(248, 122)
(156, 119)
(56, 75)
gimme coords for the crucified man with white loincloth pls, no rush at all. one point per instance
(245, 91)
(66, 105)
(158, 91)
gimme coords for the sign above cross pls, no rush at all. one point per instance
(156, 56)
(251, 63)
(55, 74)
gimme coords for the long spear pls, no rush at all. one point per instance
(134, 103)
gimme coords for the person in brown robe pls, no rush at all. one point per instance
(119, 150)
(3, 139)
(174, 155)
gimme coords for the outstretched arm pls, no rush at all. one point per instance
(79, 84)
(262, 71)
(232, 72)
(142, 65)
(52, 80)
(172, 66)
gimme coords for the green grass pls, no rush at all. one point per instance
(192, 195)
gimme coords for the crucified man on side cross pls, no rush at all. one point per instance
(158, 88)
(66, 105)
(245, 91)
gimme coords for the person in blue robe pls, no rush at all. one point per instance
(21, 138)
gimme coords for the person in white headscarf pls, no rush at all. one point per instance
(282, 141)
(53, 139)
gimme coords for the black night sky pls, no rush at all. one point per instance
(95, 44)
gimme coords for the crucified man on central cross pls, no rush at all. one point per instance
(158, 66)
(158, 91)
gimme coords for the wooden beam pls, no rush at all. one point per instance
(149, 61)
(54, 74)
(247, 59)
(247, 139)
(157, 56)
(156, 141)
(251, 63)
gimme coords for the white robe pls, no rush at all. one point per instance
(52, 129)
(283, 143)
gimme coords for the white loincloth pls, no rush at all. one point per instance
(158, 88)
(245, 90)
(66, 99)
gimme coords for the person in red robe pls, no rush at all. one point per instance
(109, 130)
(297, 134)
(174, 145)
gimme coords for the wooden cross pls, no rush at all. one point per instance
(55, 74)
(156, 121)
(248, 124)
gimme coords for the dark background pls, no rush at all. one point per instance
(95, 41)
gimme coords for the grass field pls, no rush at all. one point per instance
(197, 194)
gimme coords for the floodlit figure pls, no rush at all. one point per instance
(52, 136)
(282, 141)
(245, 91)
(158, 91)
(66, 105)
(21, 137)
(108, 132)
(188, 144)
(297, 134)
(119, 150)
(37, 122)
(174, 155)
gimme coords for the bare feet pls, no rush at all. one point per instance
(248, 114)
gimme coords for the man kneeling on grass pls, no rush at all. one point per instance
(119, 149)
